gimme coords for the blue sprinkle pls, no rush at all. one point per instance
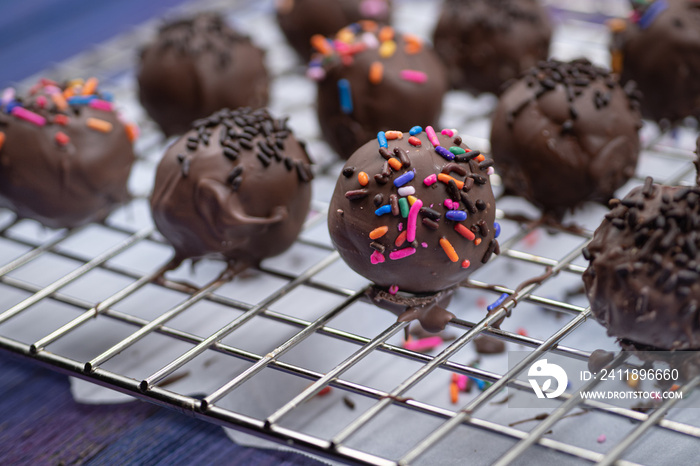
(405, 178)
(355, 27)
(654, 10)
(10, 105)
(415, 130)
(381, 137)
(456, 215)
(445, 153)
(345, 96)
(385, 209)
(108, 96)
(498, 302)
(497, 228)
(80, 99)
(481, 385)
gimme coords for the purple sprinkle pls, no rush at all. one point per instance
(456, 215)
(405, 178)
(445, 153)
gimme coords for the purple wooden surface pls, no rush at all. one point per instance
(41, 424)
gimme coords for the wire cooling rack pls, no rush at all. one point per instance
(87, 302)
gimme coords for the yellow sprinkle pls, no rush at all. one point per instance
(345, 35)
(633, 380)
(99, 125)
(90, 86)
(387, 49)
(412, 199)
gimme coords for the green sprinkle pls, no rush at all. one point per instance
(457, 150)
(403, 207)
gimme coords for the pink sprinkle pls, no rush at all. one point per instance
(373, 8)
(425, 245)
(448, 203)
(393, 289)
(41, 101)
(7, 95)
(401, 253)
(412, 220)
(51, 89)
(101, 105)
(602, 438)
(424, 344)
(376, 258)
(430, 180)
(432, 137)
(490, 171)
(341, 47)
(462, 382)
(316, 73)
(522, 332)
(414, 76)
(448, 132)
(400, 227)
(31, 117)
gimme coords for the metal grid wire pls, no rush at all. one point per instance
(661, 150)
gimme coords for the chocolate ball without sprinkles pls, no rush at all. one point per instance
(572, 123)
(484, 43)
(414, 213)
(65, 154)
(374, 79)
(197, 66)
(300, 20)
(236, 186)
(643, 279)
(658, 47)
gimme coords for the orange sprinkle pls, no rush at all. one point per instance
(445, 178)
(464, 231)
(616, 25)
(675, 387)
(412, 49)
(449, 250)
(132, 131)
(413, 43)
(363, 178)
(60, 101)
(454, 393)
(90, 86)
(479, 158)
(69, 92)
(99, 125)
(2, 139)
(321, 44)
(400, 239)
(616, 61)
(395, 164)
(376, 72)
(62, 138)
(455, 377)
(386, 33)
(368, 25)
(393, 135)
(477, 241)
(378, 232)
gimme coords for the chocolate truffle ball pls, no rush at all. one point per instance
(484, 43)
(300, 20)
(643, 280)
(65, 156)
(659, 48)
(236, 186)
(565, 133)
(197, 66)
(414, 211)
(375, 80)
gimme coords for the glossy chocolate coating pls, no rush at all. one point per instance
(565, 133)
(394, 102)
(302, 19)
(484, 43)
(660, 50)
(197, 66)
(63, 185)
(236, 186)
(643, 280)
(352, 216)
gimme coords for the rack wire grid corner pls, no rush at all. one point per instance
(86, 302)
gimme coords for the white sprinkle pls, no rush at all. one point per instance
(407, 191)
